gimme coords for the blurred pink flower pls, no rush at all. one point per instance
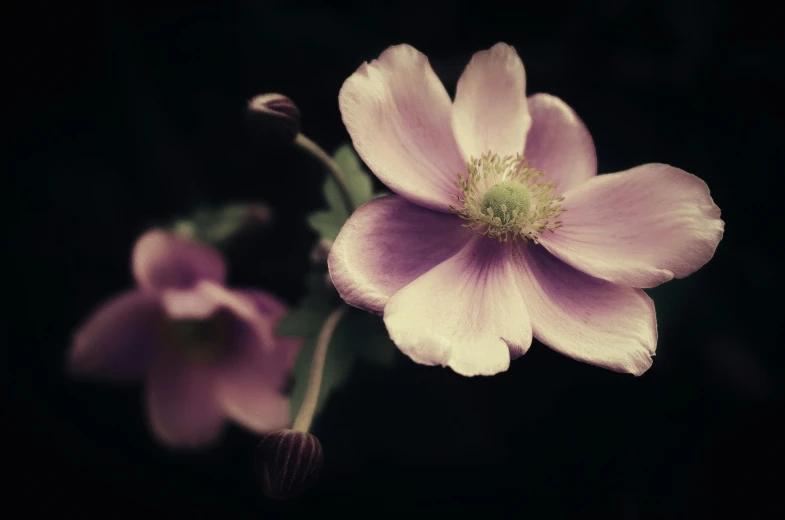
(207, 353)
(500, 228)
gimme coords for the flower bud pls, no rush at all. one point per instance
(276, 111)
(288, 463)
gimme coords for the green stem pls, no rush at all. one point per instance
(316, 151)
(304, 417)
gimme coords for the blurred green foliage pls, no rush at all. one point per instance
(360, 186)
(359, 335)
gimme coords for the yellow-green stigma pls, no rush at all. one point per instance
(507, 198)
(198, 341)
(501, 199)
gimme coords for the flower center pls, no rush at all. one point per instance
(198, 341)
(507, 197)
(500, 198)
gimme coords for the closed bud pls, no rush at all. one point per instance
(277, 112)
(288, 463)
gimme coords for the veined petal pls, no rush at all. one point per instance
(490, 111)
(162, 260)
(398, 115)
(586, 318)
(181, 401)
(251, 382)
(559, 144)
(388, 243)
(272, 365)
(253, 404)
(118, 340)
(188, 304)
(207, 297)
(266, 303)
(466, 313)
(640, 227)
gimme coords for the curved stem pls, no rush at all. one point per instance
(316, 151)
(304, 417)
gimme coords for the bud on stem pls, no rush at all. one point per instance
(276, 111)
(288, 463)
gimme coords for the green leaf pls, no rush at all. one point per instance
(358, 181)
(326, 223)
(359, 185)
(359, 336)
(334, 198)
(215, 226)
(305, 319)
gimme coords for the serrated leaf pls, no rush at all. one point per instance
(326, 223)
(215, 226)
(357, 337)
(306, 319)
(225, 223)
(358, 180)
(334, 198)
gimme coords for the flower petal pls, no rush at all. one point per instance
(388, 243)
(640, 227)
(466, 313)
(163, 260)
(586, 318)
(490, 112)
(188, 304)
(275, 363)
(207, 297)
(398, 115)
(559, 144)
(251, 384)
(117, 341)
(182, 407)
(266, 303)
(253, 404)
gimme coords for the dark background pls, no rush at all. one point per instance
(125, 118)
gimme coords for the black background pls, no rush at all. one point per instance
(123, 118)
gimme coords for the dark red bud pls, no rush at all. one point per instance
(277, 112)
(288, 463)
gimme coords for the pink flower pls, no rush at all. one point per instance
(500, 227)
(207, 353)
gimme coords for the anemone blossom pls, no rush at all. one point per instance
(500, 228)
(207, 353)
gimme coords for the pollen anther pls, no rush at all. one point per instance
(500, 198)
